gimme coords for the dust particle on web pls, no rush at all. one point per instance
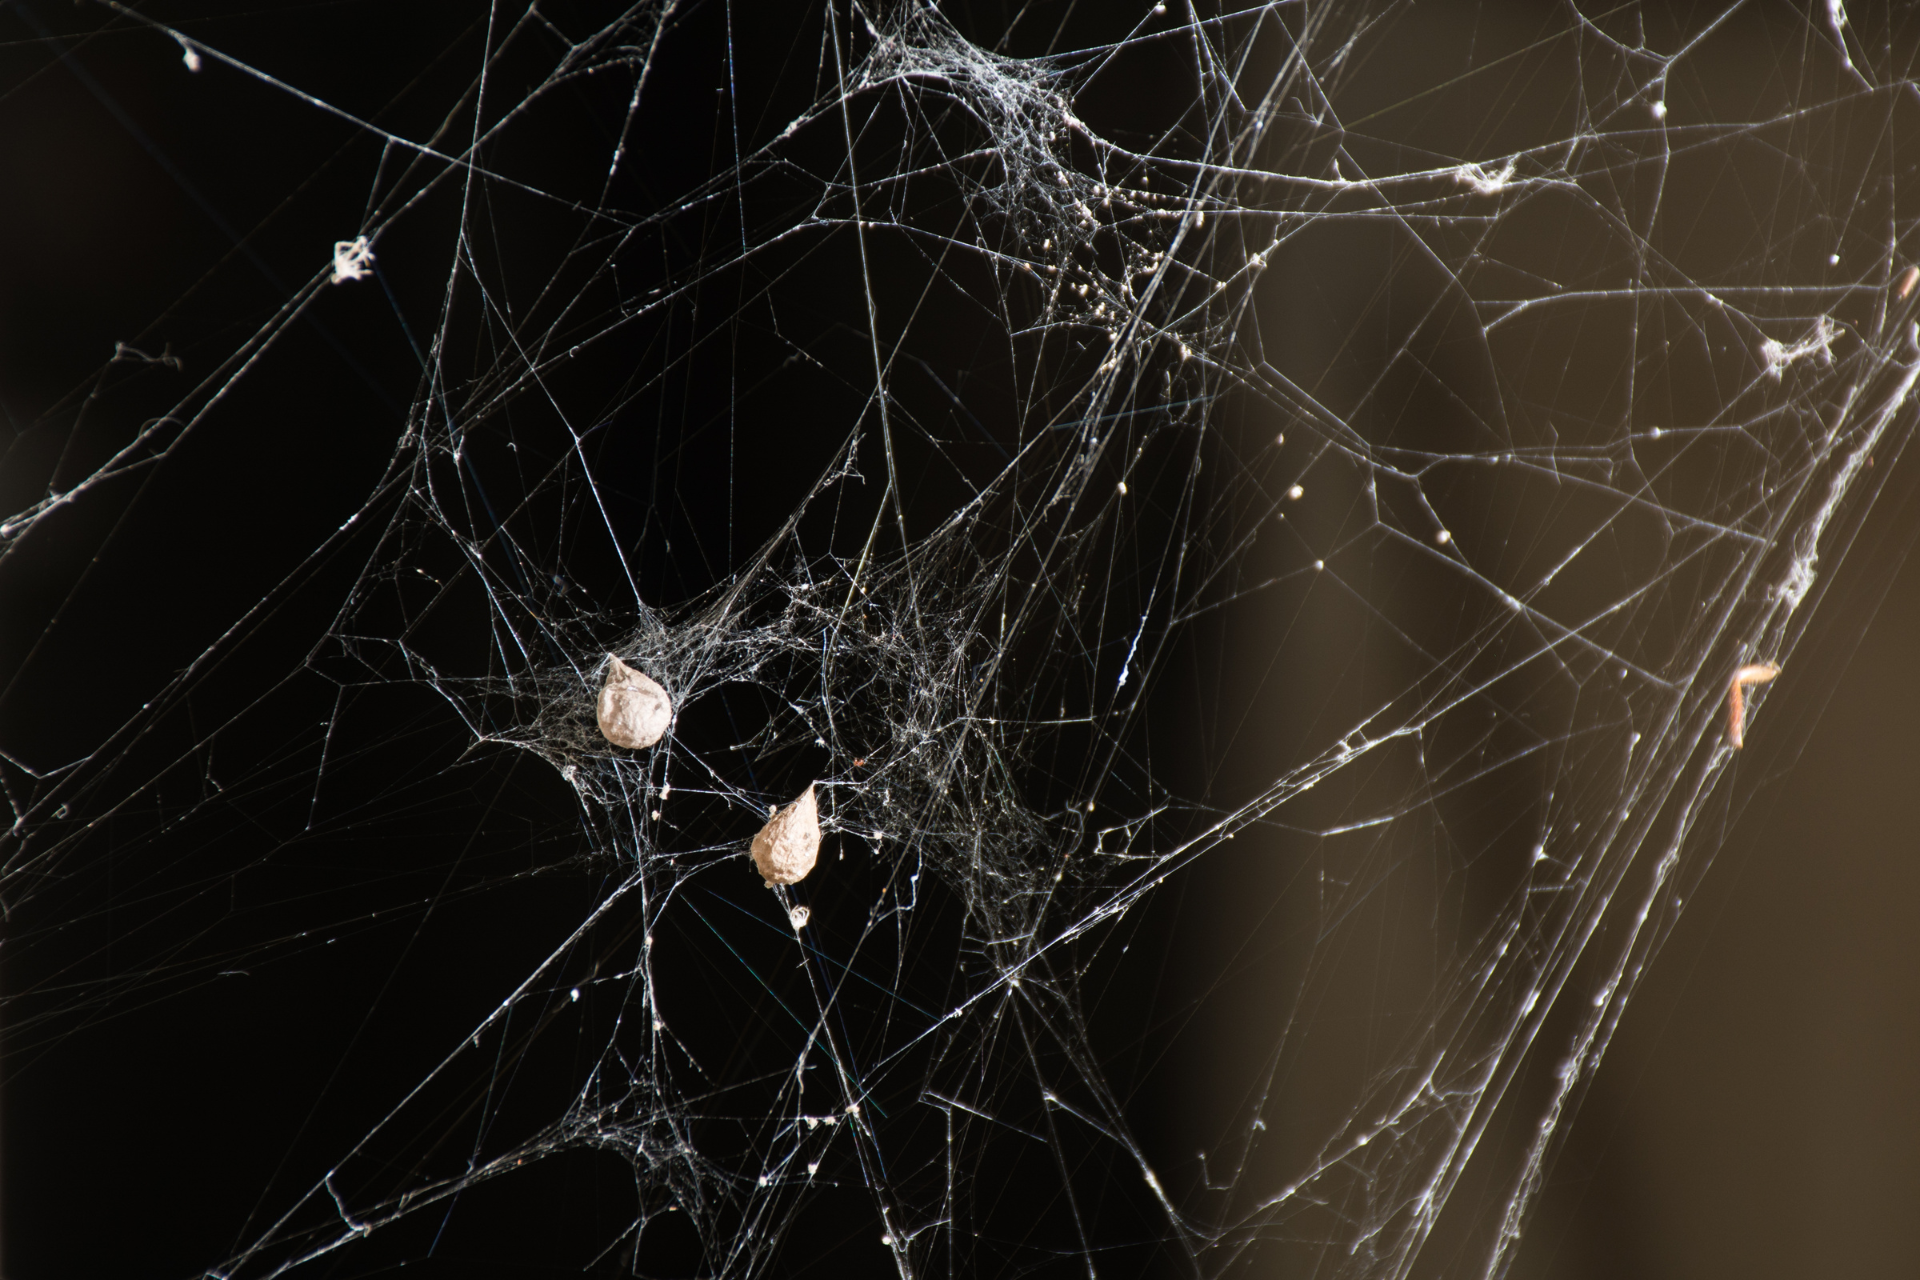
(787, 846)
(634, 710)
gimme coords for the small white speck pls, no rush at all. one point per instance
(1443, 537)
(1659, 109)
(575, 993)
(1296, 493)
(1123, 488)
(1319, 564)
(1280, 440)
(352, 259)
(1833, 259)
(1656, 433)
(659, 1025)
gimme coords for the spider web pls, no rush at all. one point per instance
(1246, 517)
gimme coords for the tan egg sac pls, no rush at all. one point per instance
(786, 847)
(634, 710)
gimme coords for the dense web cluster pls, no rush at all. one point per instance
(1246, 518)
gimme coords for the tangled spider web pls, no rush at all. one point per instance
(1245, 518)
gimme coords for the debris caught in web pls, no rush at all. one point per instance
(352, 259)
(1758, 673)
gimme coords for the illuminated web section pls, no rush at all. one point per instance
(1247, 521)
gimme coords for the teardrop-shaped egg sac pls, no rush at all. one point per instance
(787, 847)
(634, 710)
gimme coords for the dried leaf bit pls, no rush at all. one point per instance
(634, 710)
(787, 846)
(1758, 673)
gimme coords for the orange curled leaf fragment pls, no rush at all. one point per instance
(1758, 673)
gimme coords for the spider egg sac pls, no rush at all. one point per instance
(787, 846)
(634, 710)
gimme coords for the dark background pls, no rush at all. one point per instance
(1755, 1117)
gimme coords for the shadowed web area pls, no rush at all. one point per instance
(1247, 518)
